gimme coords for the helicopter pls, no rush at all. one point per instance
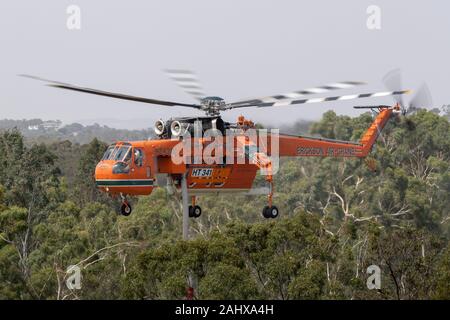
(134, 168)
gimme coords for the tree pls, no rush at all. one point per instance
(85, 179)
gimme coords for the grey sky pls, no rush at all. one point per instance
(239, 49)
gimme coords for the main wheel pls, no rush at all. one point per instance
(270, 212)
(125, 209)
(265, 212)
(191, 212)
(197, 211)
(273, 212)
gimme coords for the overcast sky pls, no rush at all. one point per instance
(239, 49)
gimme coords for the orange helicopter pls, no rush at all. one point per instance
(137, 167)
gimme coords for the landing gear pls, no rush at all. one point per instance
(125, 208)
(270, 212)
(195, 211)
(264, 163)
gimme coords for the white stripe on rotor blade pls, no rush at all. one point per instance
(293, 95)
(382, 94)
(340, 85)
(317, 90)
(282, 103)
(348, 97)
(315, 100)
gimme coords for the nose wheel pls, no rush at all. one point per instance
(125, 209)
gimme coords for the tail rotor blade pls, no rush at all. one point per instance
(422, 99)
(393, 82)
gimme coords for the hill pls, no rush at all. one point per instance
(38, 130)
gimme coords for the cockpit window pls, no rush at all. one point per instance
(127, 157)
(119, 152)
(123, 153)
(108, 153)
(138, 157)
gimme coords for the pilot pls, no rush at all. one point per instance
(138, 157)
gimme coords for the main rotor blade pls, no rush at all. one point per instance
(316, 100)
(187, 81)
(393, 81)
(67, 86)
(301, 93)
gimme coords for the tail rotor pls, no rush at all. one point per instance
(421, 99)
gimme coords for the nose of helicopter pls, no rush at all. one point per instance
(103, 171)
(116, 178)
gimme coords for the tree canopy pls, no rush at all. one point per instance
(338, 217)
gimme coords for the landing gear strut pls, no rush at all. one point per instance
(270, 211)
(264, 163)
(194, 210)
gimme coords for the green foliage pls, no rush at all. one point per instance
(337, 218)
(85, 189)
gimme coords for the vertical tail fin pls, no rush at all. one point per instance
(375, 128)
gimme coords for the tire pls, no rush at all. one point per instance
(125, 209)
(196, 212)
(191, 212)
(265, 212)
(273, 212)
(270, 212)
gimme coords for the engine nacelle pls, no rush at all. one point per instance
(160, 127)
(177, 128)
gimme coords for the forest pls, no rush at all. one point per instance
(337, 218)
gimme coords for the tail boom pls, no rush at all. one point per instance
(303, 146)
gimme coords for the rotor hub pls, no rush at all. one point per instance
(212, 105)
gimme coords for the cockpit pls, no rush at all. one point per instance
(123, 155)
